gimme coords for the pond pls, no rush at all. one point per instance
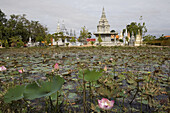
(136, 78)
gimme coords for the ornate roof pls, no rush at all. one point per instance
(103, 26)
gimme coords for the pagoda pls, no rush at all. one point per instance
(103, 29)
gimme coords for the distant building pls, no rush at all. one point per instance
(103, 29)
(65, 32)
(138, 41)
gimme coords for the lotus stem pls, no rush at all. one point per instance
(51, 103)
(57, 103)
(123, 101)
(141, 104)
(84, 94)
(135, 93)
(90, 91)
(114, 72)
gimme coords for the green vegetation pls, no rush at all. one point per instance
(137, 79)
(136, 28)
(17, 30)
(84, 34)
(99, 39)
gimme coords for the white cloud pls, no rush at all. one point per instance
(77, 13)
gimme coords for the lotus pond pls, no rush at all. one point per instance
(135, 78)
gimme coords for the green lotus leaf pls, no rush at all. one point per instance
(35, 90)
(54, 96)
(90, 75)
(130, 81)
(15, 93)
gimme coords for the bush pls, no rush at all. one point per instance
(67, 44)
(120, 40)
(20, 43)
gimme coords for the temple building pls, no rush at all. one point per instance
(103, 29)
(65, 32)
(138, 41)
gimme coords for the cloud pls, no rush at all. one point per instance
(79, 13)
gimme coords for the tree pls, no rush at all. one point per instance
(37, 30)
(112, 31)
(123, 32)
(48, 39)
(16, 41)
(55, 36)
(133, 27)
(92, 42)
(89, 35)
(61, 35)
(100, 39)
(83, 35)
(73, 39)
(3, 21)
(142, 29)
(39, 39)
(126, 39)
(67, 44)
(162, 37)
(148, 38)
(19, 26)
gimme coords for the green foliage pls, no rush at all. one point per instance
(136, 28)
(161, 37)
(92, 42)
(56, 36)
(20, 43)
(148, 38)
(14, 94)
(112, 31)
(6, 44)
(100, 39)
(39, 39)
(35, 90)
(124, 30)
(90, 75)
(67, 44)
(83, 34)
(16, 41)
(89, 35)
(73, 39)
(126, 80)
(61, 35)
(3, 21)
(48, 39)
(120, 40)
(20, 26)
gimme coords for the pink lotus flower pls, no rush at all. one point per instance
(21, 71)
(56, 66)
(105, 103)
(105, 68)
(2, 68)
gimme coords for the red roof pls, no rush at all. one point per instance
(91, 39)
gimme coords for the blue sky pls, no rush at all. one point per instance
(79, 13)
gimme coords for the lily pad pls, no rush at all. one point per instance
(14, 94)
(90, 75)
(34, 90)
